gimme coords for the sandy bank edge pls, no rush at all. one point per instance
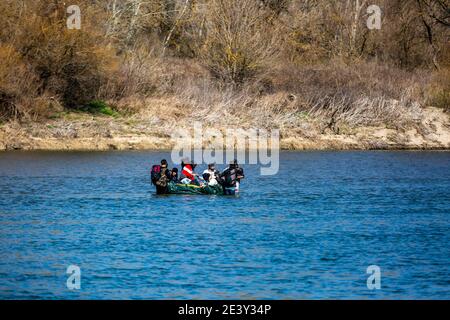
(433, 133)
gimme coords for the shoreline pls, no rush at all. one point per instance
(150, 143)
(98, 133)
(399, 149)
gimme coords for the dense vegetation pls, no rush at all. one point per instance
(269, 59)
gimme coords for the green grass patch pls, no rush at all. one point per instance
(100, 107)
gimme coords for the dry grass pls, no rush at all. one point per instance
(438, 91)
(19, 89)
(339, 95)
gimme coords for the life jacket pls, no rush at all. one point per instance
(155, 174)
(188, 172)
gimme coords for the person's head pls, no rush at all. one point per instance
(212, 166)
(174, 172)
(164, 163)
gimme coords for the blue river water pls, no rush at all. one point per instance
(309, 232)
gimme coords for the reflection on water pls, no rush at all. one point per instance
(309, 232)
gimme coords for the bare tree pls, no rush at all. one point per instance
(239, 42)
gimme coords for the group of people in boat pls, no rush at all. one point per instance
(229, 179)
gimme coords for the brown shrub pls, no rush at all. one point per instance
(438, 91)
(359, 93)
(19, 87)
(71, 65)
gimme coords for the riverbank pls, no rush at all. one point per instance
(80, 131)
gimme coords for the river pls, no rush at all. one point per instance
(309, 232)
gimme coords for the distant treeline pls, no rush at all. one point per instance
(320, 53)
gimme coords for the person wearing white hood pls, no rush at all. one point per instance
(211, 174)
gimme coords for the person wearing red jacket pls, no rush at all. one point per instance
(187, 171)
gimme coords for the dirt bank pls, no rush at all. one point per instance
(76, 131)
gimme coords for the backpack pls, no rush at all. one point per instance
(155, 173)
(162, 181)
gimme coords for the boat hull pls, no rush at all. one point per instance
(178, 188)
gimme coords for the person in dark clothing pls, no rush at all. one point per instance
(230, 178)
(164, 168)
(174, 175)
(164, 178)
(240, 174)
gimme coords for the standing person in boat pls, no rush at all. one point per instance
(163, 178)
(230, 178)
(240, 174)
(211, 175)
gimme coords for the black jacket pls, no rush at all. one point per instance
(228, 177)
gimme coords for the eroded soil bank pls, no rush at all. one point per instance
(86, 132)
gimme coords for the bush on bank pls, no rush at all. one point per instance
(321, 53)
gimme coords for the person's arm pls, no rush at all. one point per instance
(224, 172)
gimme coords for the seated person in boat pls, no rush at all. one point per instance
(188, 175)
(211, 175)
(174, 175)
